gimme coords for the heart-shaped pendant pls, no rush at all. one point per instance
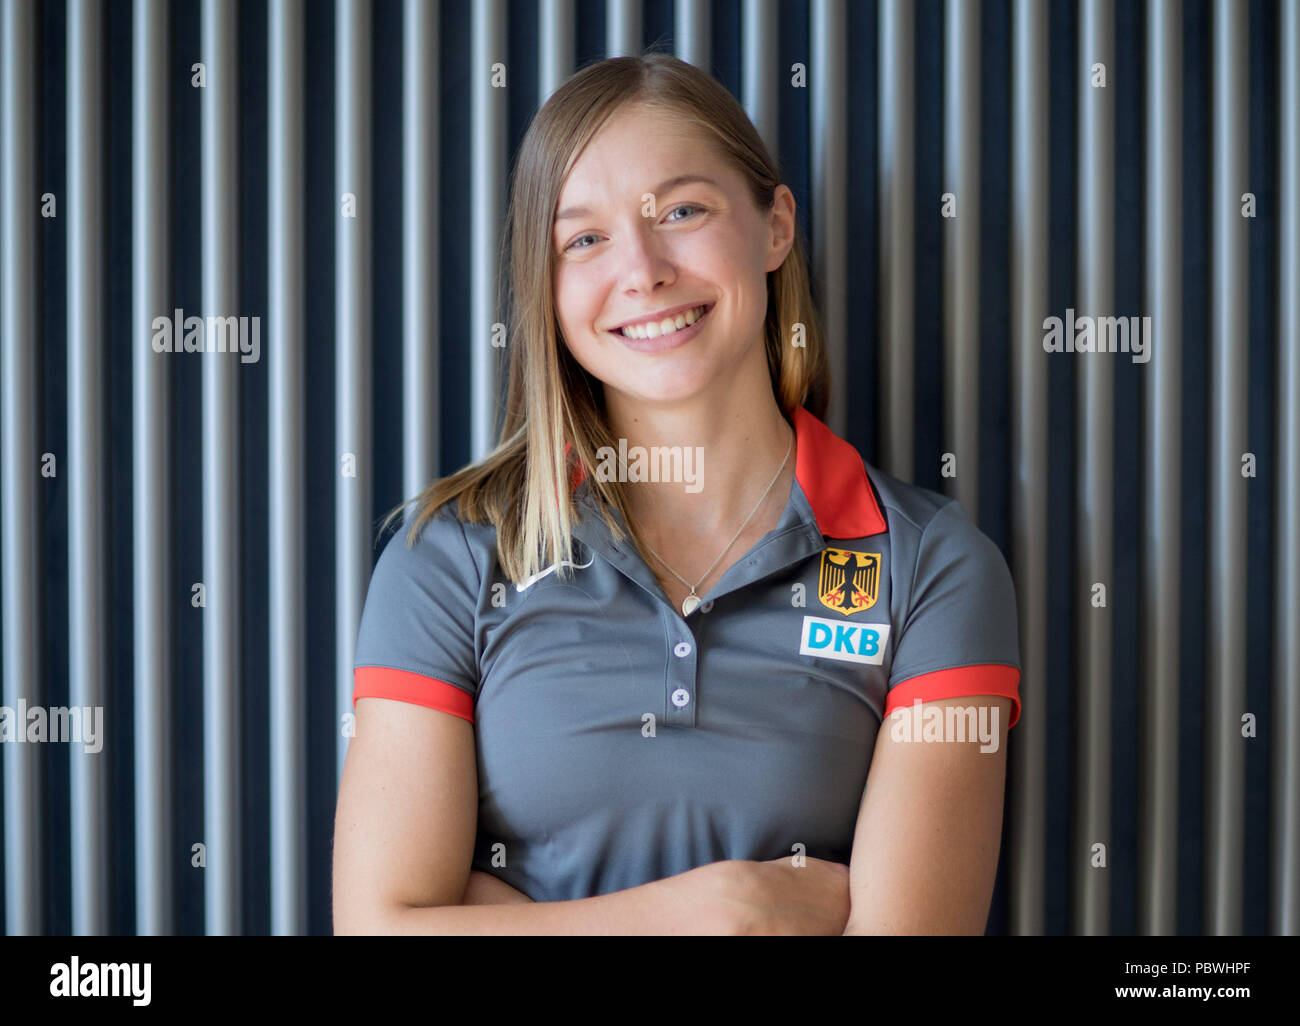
(689, 603)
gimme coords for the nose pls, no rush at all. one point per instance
(646, 265)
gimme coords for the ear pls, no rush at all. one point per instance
(781, 227)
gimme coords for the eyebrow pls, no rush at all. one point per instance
(671, 183)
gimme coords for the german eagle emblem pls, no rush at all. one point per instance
(849, 580)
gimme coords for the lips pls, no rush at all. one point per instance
(670, 316)
(663, 343)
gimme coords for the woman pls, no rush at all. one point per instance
(629, 672)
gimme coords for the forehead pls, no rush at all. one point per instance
(634, 152)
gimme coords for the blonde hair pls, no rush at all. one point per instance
(523, 486)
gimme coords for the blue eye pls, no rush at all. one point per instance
(668, 217)
(684, 206)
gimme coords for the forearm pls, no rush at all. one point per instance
(668, 907)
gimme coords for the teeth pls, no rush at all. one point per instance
(667, 326)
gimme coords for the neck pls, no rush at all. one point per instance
(735, 448)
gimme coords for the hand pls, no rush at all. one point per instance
(779, 898)
(486, 889)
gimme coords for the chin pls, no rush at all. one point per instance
(658, 394)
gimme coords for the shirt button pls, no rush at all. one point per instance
(681, 649)
(706, 606)
(680, 697)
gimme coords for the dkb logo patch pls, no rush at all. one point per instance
(851, 642)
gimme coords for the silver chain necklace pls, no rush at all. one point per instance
(692, 600)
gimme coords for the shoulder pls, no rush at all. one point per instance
(444, 543)
(907, 507)
(420, 617)
(930, 532)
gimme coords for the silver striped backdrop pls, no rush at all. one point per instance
(962, 174)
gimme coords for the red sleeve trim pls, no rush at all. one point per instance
(404, 686)
(959, 682)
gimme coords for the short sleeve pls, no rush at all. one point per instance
(959, 635)
(416, 638)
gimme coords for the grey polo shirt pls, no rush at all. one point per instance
(619, 743)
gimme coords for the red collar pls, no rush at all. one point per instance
(831, 473)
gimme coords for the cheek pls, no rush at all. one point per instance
(574, 307)
(576, 316)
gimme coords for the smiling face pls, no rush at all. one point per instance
(654, 225)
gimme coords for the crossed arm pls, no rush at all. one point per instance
(925, 850)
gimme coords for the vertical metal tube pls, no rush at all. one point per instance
(693, 35)
(759, 72)
(420, 155)
(622, 27)
(487, 163)
(1285, 840)
(1162, 473)
(1225, 664)
(557, 46)
(961, 273)
(352, 337)
(286, 483)
(829, 159)
(897, 234)
(87, 656)
(1095, 420)
(1029, 299)
(221, 668)
(20, 462)
(151, 505)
